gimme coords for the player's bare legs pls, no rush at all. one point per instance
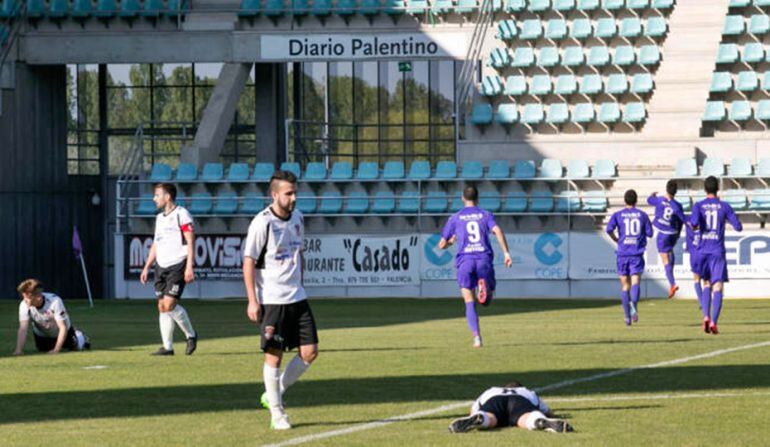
(705, 306)
(471, 316)
(668, 265)
(625, 297)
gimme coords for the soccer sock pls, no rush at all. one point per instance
(166, 330)
(705, 302)
(699, 292)
(670, 270)
(624, 299)
(272, 377)
(472, 317)
(532, 418)
(635, 293)
(484, 420)
(716, 306)
(292, 372)
(182, 320)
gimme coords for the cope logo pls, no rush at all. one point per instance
(439, 260)
(546, 251)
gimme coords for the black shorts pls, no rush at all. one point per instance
(45, 344)
(508, 409)
(169, 281)
(287, 326)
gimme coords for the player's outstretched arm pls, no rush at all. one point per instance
(21, 337)
(504, 244)
(189, 237)
(248, 281)
(653, 199)
(150, 260)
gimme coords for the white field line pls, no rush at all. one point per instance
(553, 386)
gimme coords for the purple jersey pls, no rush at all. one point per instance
(692, 238)
(709, 216)
(669, 216)
(471, 225)
(634, 228)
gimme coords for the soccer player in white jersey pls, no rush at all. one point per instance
(50, 321)
(272, 274)
(510, 406)
(172, 248)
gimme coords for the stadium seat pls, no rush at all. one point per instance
(605, 169)
(686, 167)
(226, 203)
(662, 4)
(472, 170)
(581, 29)
(435, 202)
(634, 112)
(598, 56)
(58, 9)
(715, 111)
(456, 203)
(591, 84)
(330, 202)
(548, 57)
(499, 169)
(507, 30)
(557, 113)
(515, 202)
(368, 170)
(515, 5)
(370, 8)
(397, 7)
(584, 113)
(292, 167)
(727, 53)
(315, 171)
(630, 27)
(419, 170)
(763, 168)
(306, 202)
(523, 57)
(81, 9)
(760, 199)
(481, 114)
(763, 110)
(556, 29)
(533, 114)
(357, 202)
(491, 86)
(541, 201)
(384, 202)
(252, 204)
(721, 82)
(753, 53)
(740, 111)
(609, 112)
(565, 85)
(322, 8)
(249, 8)
(613, 5)
(238, 172)
(499, 58)
(186, 172)
(641, 83)
(766, 82)
(573, 56)
(466, 6)
(747, 81)
(408, 202)
(759, 24)
(175, 7)
(761, 3)
(145, 206)
(587, 5)
(109, 8)
(551, 168)
(624, 56)
(152, 8)
(606, 28)
(638, 4)
(656, 26)
(563, 5)
(489, 200)
(393, 170)
(263, 172)
(538, 5)
(683, 197)
(531, 29)
(740, 167)
(446, 170)
(739, 3)
(578, 169)
(507, 114)
(515, 85)
(617, 84)
(341, 170)
(524, 169)
(713, 166)
(734, 25)
(413, 6)
(594, 201)
(200, 203)
(347, 8)
(541, 85)
(9, 9)
(649, 55)
(736, 198)
(568, 201)
(212, 172)
(161, 172)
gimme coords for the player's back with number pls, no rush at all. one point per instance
(633, 228)
(471, 226)
(710, 216)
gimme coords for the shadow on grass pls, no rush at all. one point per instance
(135, 402)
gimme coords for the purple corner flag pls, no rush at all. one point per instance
(77, 247)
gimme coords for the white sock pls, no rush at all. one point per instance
(81, 339)
(531, 418)
(271, 377)
(485, 419)
(166, 330)
(293, 371)
(182, 320)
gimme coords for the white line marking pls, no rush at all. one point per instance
(553, 386)
(658, 397)
(96, 367)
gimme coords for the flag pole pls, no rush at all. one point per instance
(77, 248)
(88, 284)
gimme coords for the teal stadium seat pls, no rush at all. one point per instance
(686, 167)
(551, 168)
(539, 5)
(736, 198)
(763, 168)
(541, 85)
(323, 8)
(740, 167)
(739, 3)
(384, 202)
(531, 29)
(292, 167)
(186, 172)
(747, 81)
(226, 203)
(357, 202)
(481, 114)
(609, 112)
(684, 199)
(507, 30)
(347, 8)
(523, 57)
(763, 110)
(161, 172)
(584, 113)
(370, 8)
(238, 172)
(578, 169)
(499, 169)
(408, 202)
(419, 170)
(274, 8)
(649, 55)
(58, 9)
(466, 6)
(368, 170)
(753, 53)
(606, 28)
(490, 201)
(507, 114)
(106, 9)
(548, 57)
(200, 203)
(591, 84)
(516, 85)
(533, 114)
(759, 24)
(613, 5)
(573, 56)
(624, 56)
(605, 169)
(446, 170)
(662, 4)
(416, 6)
(727, 53)
(306, 202)
(514, 6)
(176, 7)
(740, 111)
(435, 202)
(556, 29)
(641, 83)
(594, 201)
(656, 26)
(330, 202)
(721, 82)
(81, 9)
(252, 204)
(565, 85)
(563, 5)
(760, 199)
(342, 170)
(315, 171)
(598, 56)
(638, 4)
(557, 114)
(581, 29)
(541, 201)
(515, 202)
(587, 5)
(152, 8)
(499, 58)
(393, 170)
(263, 172)
(524, 169)
(761, 3)
(456, 203)
(128, 9)
(472, 170)
(735, 25)
(213, 172)
(182, 200)
(9, 9)
(715, 111)
(766, 82)
(713, 166)
(568, 202)
(630, 27)
(617, 84)
(35, 9)
(634, 112)
(397, 7)
(491, 86)
(145, 206)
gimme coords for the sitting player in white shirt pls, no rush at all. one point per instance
(510, 406)
(50, 322)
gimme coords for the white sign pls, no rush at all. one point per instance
(534, 255)
(356, 46)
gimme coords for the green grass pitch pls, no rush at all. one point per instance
(381, 358)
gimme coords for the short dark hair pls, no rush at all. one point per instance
(168, 188)
(513, 384)
(286, 176)
(672, 188)
(471, 194)
(630, 197)
(711, 185)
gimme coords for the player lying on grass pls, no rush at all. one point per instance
(470, 228)
(668, 222)
(51, 325)
(510, 406)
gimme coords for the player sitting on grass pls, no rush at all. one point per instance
(51, 325)
(669, 218)
(470, 228)
(633, 228)
(510, 406)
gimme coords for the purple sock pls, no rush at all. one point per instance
(472, 317)
(670, 274)
(624, 298)
(635, 293)
(698, 292)
(716, 306)
(705, 301)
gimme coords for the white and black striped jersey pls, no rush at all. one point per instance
(519, 391)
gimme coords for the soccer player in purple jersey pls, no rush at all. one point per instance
(470, 228)
(709, 216)
(633, 227)
(692, 238)
(669, 218)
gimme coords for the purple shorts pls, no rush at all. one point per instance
(695, 263)
(630, 265)
(713, 268)
(666, 242)
(470, 271)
